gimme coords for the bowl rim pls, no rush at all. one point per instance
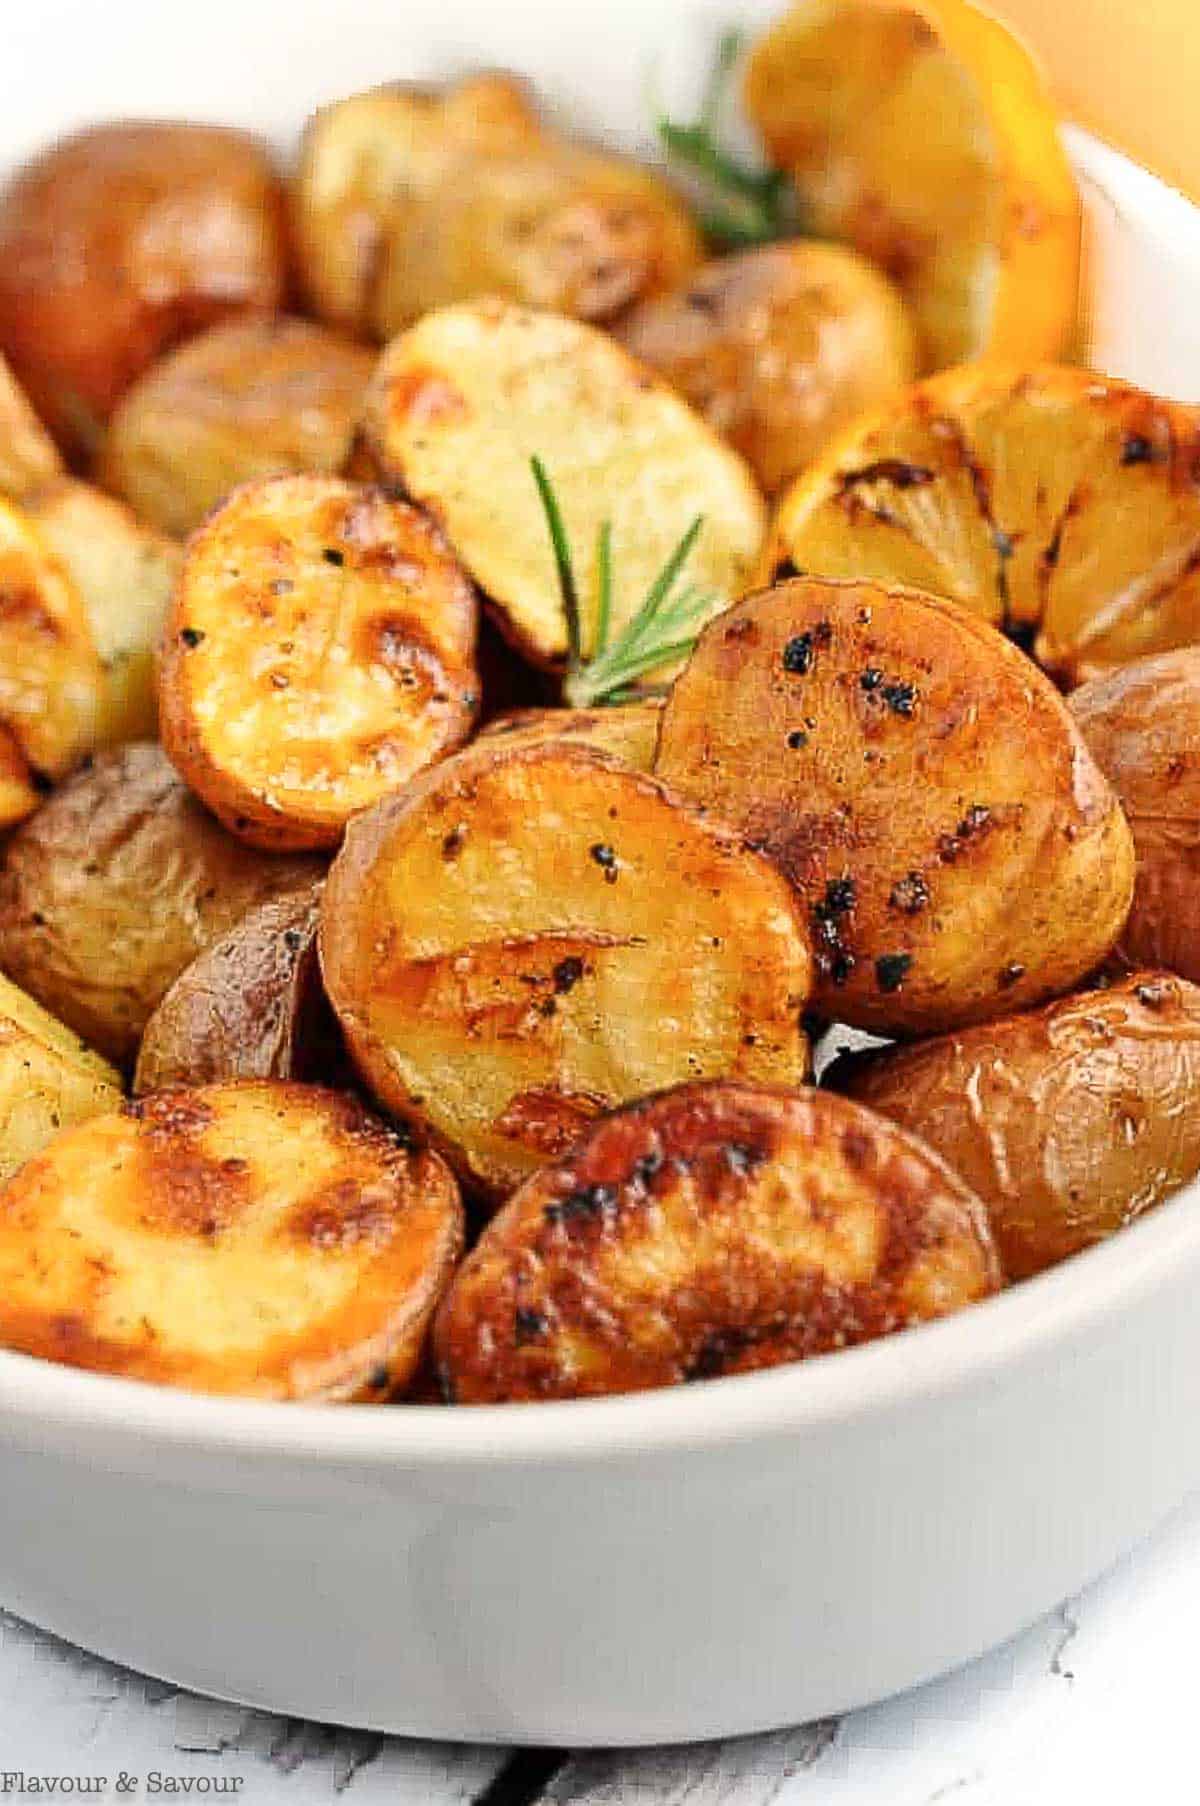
(922, 1364)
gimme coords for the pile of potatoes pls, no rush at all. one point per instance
(373, 1026)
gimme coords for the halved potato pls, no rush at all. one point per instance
(48, 1079)
(779, 348)
(460, 403)
(1142, 725)
(629, 733)
(248, 398)
(250, 1006)
(319, 652)
(265, 1238)
(124, 573)
(117, 242)
(28, 455)
(115, 885)
(923, 133)
(522, 939)
(924, 788)
(1068, 1121)
(409, 198)
(1060, 506)
(51, 677)
(714, 1229)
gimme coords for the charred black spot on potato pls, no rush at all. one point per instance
(891, 969)
(567, 974)
(897, 472)
(1136, 449)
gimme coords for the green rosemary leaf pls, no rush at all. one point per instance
(603, 589)
(562, 558)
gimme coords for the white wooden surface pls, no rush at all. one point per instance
(1096, 1703)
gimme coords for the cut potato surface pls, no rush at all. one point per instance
(524, 938)
(267, 1239)
(460, 404)
(51, 677)
(1069, 1121)
(1142, 725)
(117, 242)
(48, 1079)
(922, 133)
(714, 1229)
(248, 398)
(779, 348)
(410, 198)
(124, 573)
(628, 733)
(249, 1007)
(921, 783)
(1060, 506)
(28, 456)
(319, 652)
(115, 885)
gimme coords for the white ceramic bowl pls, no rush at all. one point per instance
(687, 1564)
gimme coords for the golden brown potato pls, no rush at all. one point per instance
(410, 198)
(319, 652)
(778, 348)
(1068, 1121)
(28, 455)
(51, 678)
(264, 1238)
(120, 241)
(48, 1079)
(522, 939)
(250, 1006)
(124, 573)
(115, 885)
(459, 404)
(629, 733)
(714, 1229)
(248, 398)
(923, 786)
(1142, 725)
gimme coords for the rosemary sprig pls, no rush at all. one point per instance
(738, 205)
(663, 628)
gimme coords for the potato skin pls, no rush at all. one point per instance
(48, 1079)
(318, 653)
(28, 455)
(409, 198)
(628, 732)
(923, 787)
(115, 885)
(713, 1229)
(1068, 1121)
(1142, 725)
(523, 938)
(249, 1007)
(248, 398)
(778, 348)
(117, 242)
(265, 1239)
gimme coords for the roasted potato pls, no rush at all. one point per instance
(48, 1079)
(523, 938)
(248, 398)
(457, 407)
(115, 885)
(124, 573)
(778, 348)
(28, 455)
(319, 651)
(922, 785)
(264, 1238)
(1142, 725)
(628, 733)
(51, 678)
(250, 1006)
(1068, 1121)
(121, 240)
(713, 1229)
(409, 198)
